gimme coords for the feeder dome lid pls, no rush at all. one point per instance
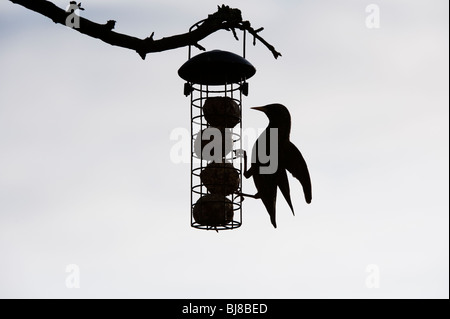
(216, 68)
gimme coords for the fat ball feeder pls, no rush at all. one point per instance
(216, 81)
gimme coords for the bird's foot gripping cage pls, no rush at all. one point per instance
(216, 82)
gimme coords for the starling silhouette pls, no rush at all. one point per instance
(288, 157)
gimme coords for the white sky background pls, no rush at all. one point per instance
(86, 176)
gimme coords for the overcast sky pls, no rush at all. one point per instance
(86, 176)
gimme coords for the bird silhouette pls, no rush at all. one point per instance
(269, 170)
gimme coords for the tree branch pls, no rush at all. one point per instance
(225, 18)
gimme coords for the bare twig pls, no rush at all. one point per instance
(225, 18)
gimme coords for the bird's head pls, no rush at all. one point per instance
(278, 115)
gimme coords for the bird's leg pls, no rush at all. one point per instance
(247, 172)
(256, 196)
(243, 195)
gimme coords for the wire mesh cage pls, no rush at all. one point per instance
(216, 83)
(216, 169)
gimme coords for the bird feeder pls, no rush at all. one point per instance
(216, 81)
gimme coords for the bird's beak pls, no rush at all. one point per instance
(259, 108)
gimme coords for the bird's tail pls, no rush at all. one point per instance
(283, 184)
(269, 202)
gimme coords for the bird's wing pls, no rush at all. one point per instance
(296, 165)
(283, 184)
